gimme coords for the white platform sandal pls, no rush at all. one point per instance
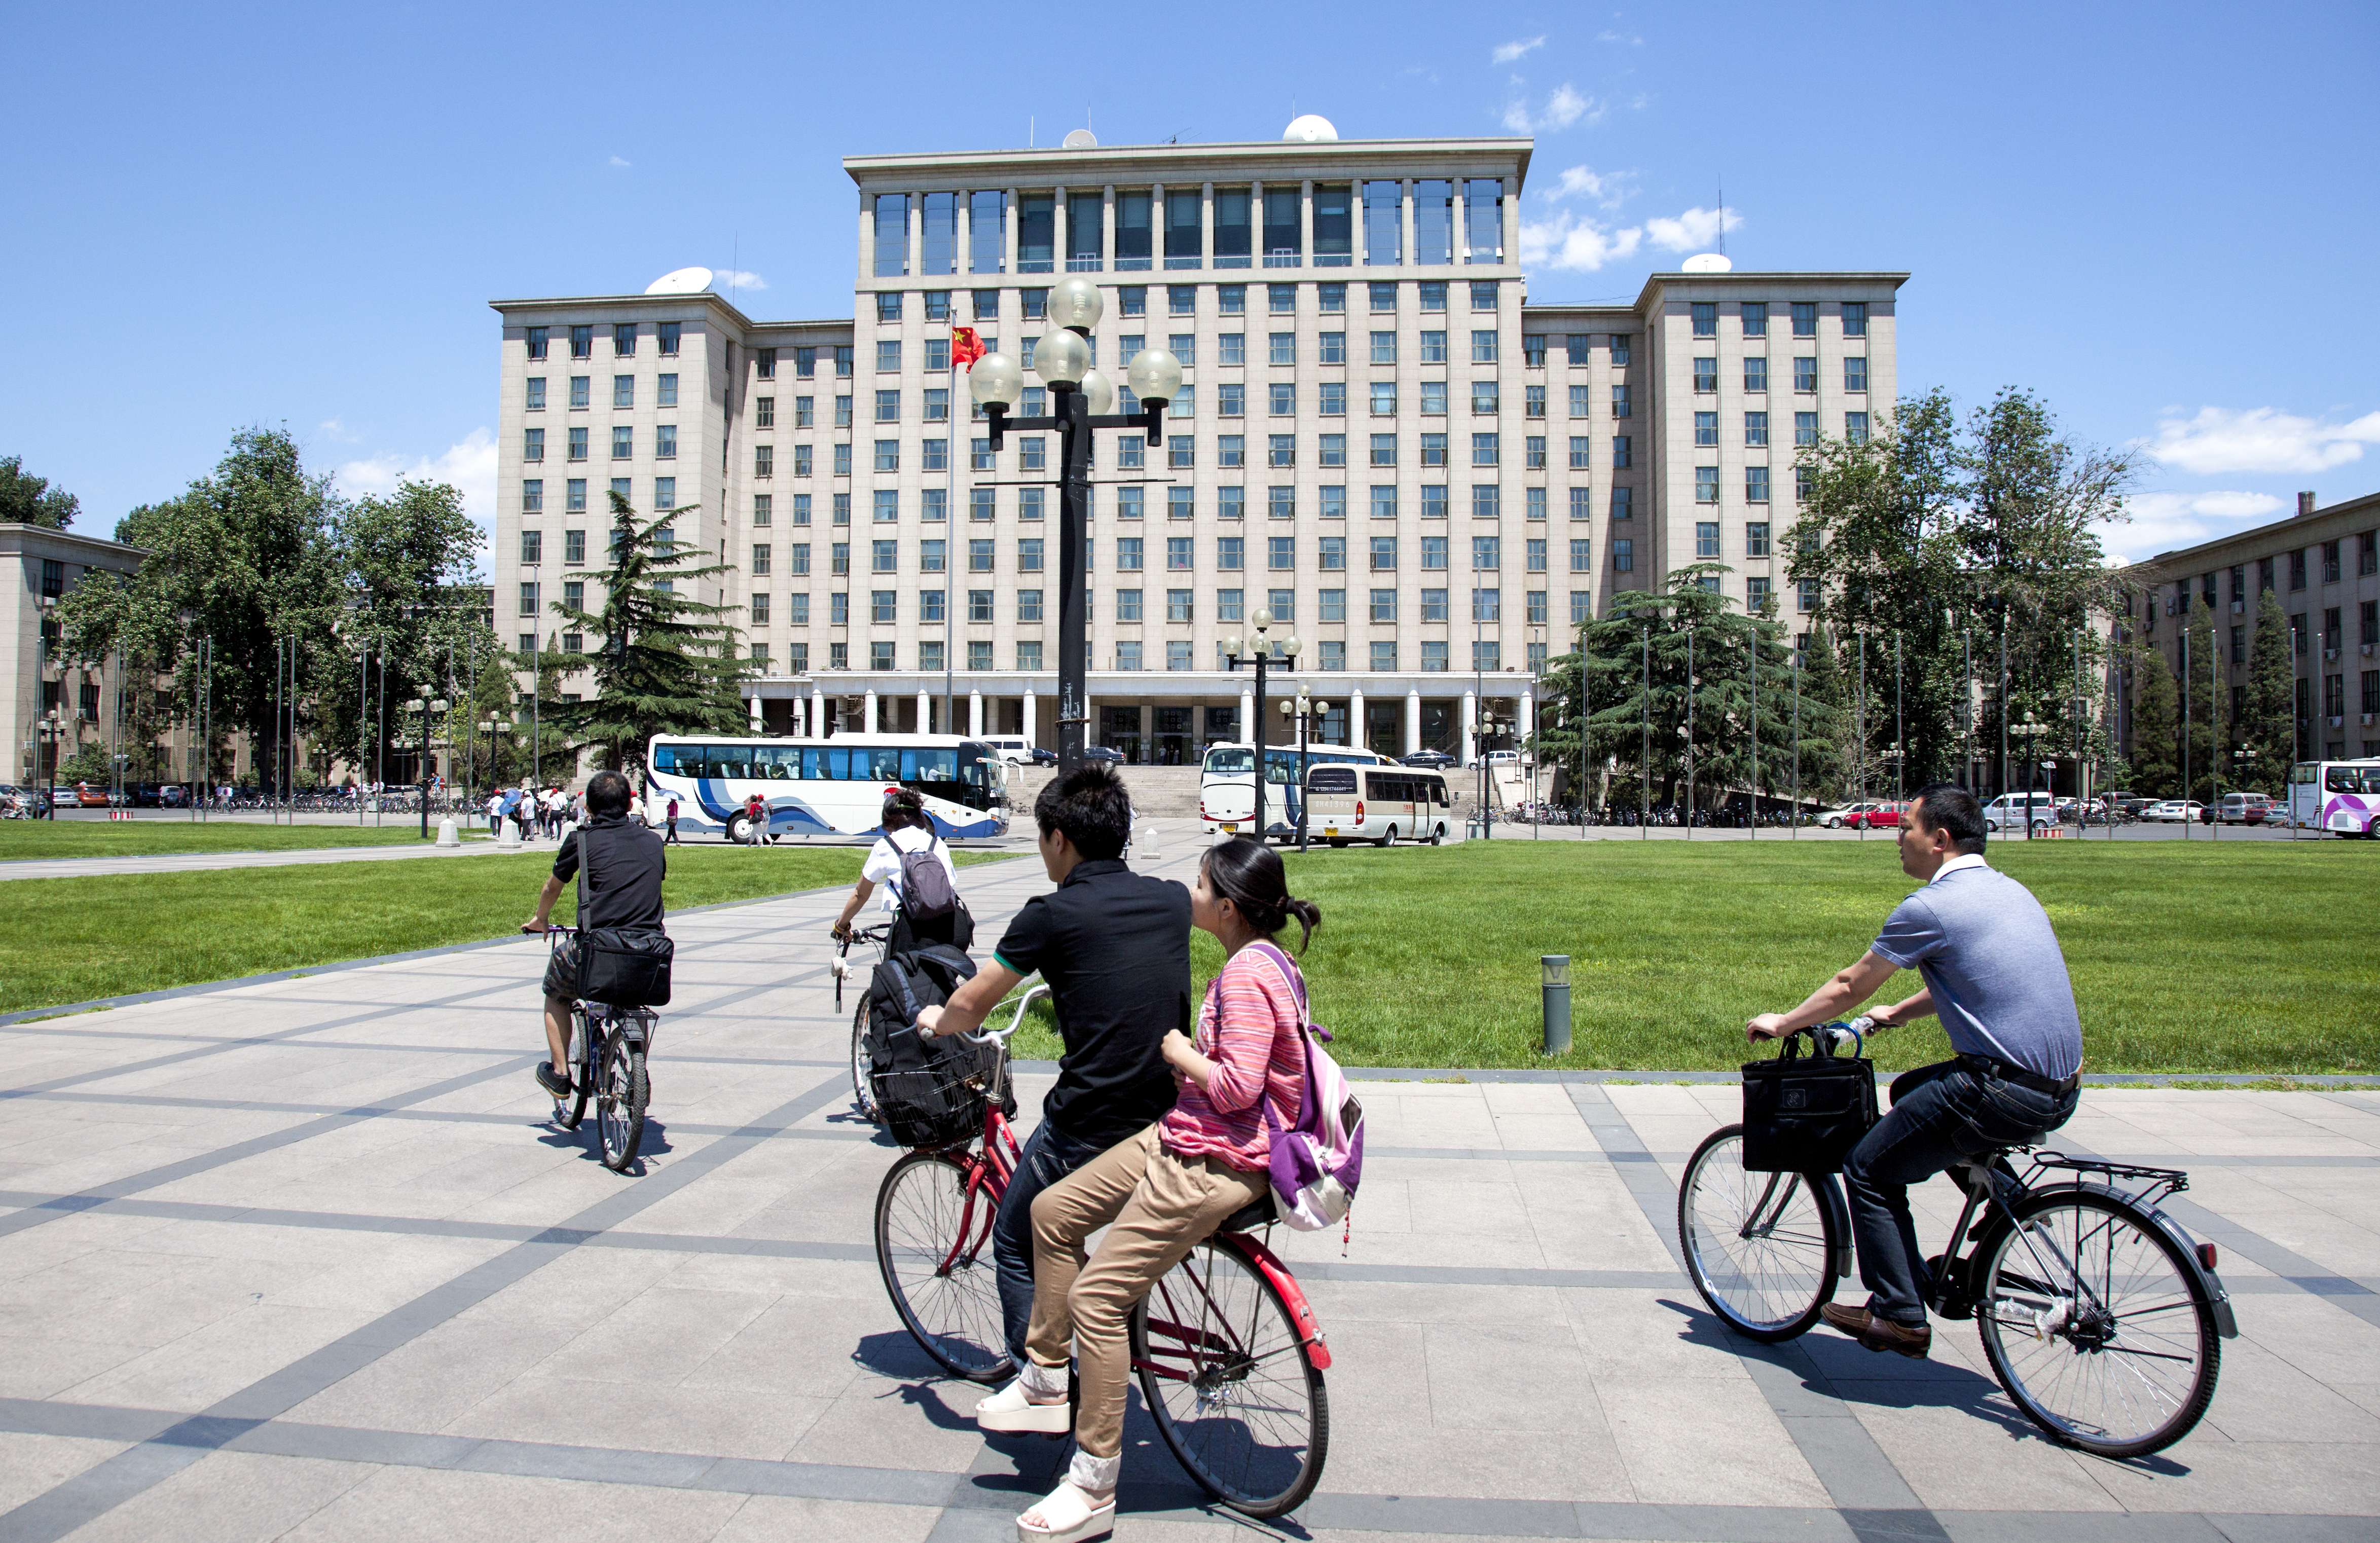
(1014, 1410)
(1070, 1513)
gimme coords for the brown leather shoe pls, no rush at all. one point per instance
(1880, 1333)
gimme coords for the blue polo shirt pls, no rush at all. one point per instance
(1985, 949)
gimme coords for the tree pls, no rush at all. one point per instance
(2206, 738)
(2267, 724)
(409, 570)
(2157, 725)
(1826, 734)
(26, 500)
(244, 559)
(668, 663)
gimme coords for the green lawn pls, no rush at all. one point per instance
(2262, 957)
(78, 940)
(164, 833)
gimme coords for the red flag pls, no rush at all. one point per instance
(966, 348)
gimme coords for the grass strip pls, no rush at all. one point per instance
(166, 835)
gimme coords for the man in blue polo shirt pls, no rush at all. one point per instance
(1995, 975)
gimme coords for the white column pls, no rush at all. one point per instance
(1525, 712)
(925, 712)
(1032, 719)
(1470, 747)
(1356, 737)
(868, 713)
(818, 711)
(975, 714)
(1413, 719)
(1248, 716)
(759, 717)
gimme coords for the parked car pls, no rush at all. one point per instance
(1503, 758)
(1107, 753)
(2010, 810)
(1436, 760)
(1883, 816)
(2176, 811)
(1843, 815)
(1018, 751)
(2244, 808)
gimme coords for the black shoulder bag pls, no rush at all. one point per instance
(1804, 1114)
(620, 967)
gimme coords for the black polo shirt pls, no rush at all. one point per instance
(625, 868)
(1114, 946)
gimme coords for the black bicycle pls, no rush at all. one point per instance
(2100, 1315)
(862, 1064)
(607, 1066)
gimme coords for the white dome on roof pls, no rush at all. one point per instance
(1707, 262)
(1309, 128)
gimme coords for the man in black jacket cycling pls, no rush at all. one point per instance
(625, 868)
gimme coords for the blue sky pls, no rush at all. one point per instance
(2163, 218)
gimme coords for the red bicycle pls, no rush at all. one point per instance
(1228, 1353)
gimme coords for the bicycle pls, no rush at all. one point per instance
(1229, 1355)
(607, 1063)
(862, 1064)
(2101, 1318)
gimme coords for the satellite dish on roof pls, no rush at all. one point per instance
(1079, 138)
(1309, 128)
(1707, 263)
(684, 281)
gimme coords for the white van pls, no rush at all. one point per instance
(1013, 750)
(1378, 804)
(2007, 810)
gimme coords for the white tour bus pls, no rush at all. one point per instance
(822, 787)
(2342, 797)
(1380, 804)
(1227, 785)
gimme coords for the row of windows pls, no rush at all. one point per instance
(1179, 606)
(1229, 299)
(2333, 636)
(666, 336)
(1180, 453)
(2367, 561)
(1129, 655)
(1177, 223)
(1753, 318)
(1805, 373)
(624, 391)
(624, 443)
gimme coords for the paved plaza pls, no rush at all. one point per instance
(305, 1259)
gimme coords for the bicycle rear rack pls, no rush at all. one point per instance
(2154, 1184)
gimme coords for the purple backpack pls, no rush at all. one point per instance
(1318, 1162)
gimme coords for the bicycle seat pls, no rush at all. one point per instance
(1248, 1218)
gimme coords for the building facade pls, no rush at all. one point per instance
(56, 703)
(2323, 565)
(1427, 480)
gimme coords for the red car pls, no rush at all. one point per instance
(1877, 817)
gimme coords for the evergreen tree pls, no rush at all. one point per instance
(2157, 725)
(668, 661)
(2208, 706)
(1826, 723)
(2267, 715)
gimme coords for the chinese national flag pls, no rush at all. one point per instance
(966, 348)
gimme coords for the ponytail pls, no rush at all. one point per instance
(1251, 876)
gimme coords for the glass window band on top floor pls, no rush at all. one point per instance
(892, 235)
(987, 232)
(1284, 230)
(1233, 237)
(1085, 232)
(1037, 233)
(1184, 239)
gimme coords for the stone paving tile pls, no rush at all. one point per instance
(404, 1505)
(30, 1465)
(774, 1518)
(229, 1497)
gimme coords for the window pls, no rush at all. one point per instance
(534, 399)
(665, 442)
(1434, 501)
(1282, 603)
(1483, 346)
(839, 561)
(1805, 318)
(1581, 458)
(533, 444)
(536, 339)
(1184, 242)
(528, 599)
(1433, 347)
(1486, 654)
(1582, 503)
(1433, 657)
(1706, 538)
(1281, 554)
(574, 546)
(1332, 451)
(1705, 430)
(1485, 552)
(1855, 374)
(1484, 397)
(842, 360)
(1755, 484)
(1706, 317)
(843, 412)
(1334, 224)
(1384, 554)
(664, 492)
(1384, 398)
(1230, 554)
(887, 505)
(1433, 554)
(1623, 503)
(1706, 484)
(1281, 399)
(759, 610)
(1533, 453)
(579, 386)
(623, 339)
(582, 342)
(1433, 606)
(1028, 555)
(1384, 450)
(624, 443)
(1229, 605)
(1384, 501)
(1756, 595)
(2367, 555)
(1806, 429)
(1805, 374)
(1433, 399)
(1333, 399)
(1623, 554)
(1706, 375)
(1856, 427)
(2330, 563)
(1127, 605)
(1854, 318)
(1333, 500)
(1487, 501)
(798, 562)
(1533, 401)
(1280, 349)
(1383, 606)
(1230, 450)
(1484, 450)
(1756, 374)
(1536, 556)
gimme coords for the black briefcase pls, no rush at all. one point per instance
(621, 967)
(1804, 1113)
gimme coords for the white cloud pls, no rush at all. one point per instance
(1609, 190)
(1692, 231)
(332, 429)
(1570, 241)
(2167, 521)
(740, 278)
(1565, 107)
(620, 161)
(1508, 52)
(1629, 39)
(470, 465)
(2260, 439)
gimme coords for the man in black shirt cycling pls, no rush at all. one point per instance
(624, 866)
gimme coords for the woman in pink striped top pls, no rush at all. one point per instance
(1162, 1192)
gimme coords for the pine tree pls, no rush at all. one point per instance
(2267, 724)
(2208, 708)
(1824, 723)
(667, 663)
(2157, 725)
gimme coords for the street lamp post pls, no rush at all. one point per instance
(45, 716)
(1489, 726)
(1080, 397)
(1303, 712)
(1262, 652)
(1689, 820)
(2031, 732)
(429, 707)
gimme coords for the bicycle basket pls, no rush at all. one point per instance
(939, 1105)
(1804, 1114)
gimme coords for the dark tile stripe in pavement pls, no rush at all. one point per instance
(979, 1503)
(94, 1493)
(1875, 1501)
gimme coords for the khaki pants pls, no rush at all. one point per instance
(1156, 1207)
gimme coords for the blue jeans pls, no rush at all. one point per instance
(1941, 1116)
(1049, 1156)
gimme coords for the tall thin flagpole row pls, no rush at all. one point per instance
(1645, 748)
(1753, 629)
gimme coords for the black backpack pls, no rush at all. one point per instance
(930, 1093)
(925, 889)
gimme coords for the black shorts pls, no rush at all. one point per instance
(561, 970)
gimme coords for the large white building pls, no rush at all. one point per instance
(1426, 479)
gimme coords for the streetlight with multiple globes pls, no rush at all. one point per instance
(1306, 714)
(1487, 728)
(429, 707)
(1264, 652)
(1080, 400)
(2031, 732)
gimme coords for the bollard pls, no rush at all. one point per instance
(1557, 1002)
(508, 835)
(447, 834)
(1147, 843)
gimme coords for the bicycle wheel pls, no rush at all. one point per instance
(2096, 1325)
(862, 1063)
(569, 1111)
(621, 1090)
(1761, 1248)
(1230, 1387)
(933, 1246)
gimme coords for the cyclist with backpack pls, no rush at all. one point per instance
(1239, 1082)
(913, 868)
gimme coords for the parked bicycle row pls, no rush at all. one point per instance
(1180, 1132)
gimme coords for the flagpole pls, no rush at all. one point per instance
(959, 446)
